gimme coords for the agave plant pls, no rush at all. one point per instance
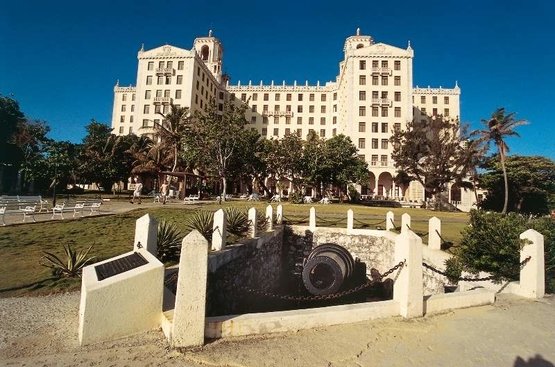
(202, 221)
(169, 242)
(71, 266)
(237, 221)
(261, 221)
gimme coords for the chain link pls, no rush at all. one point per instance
(322, 297)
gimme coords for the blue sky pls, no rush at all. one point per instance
(61, 59)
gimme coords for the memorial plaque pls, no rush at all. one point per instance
(119, 266)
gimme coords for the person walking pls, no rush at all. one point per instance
(164, 192)
(137, 191)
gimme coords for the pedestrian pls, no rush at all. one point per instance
(164, 192)
(137, 191)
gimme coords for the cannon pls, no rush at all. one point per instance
(327, 268)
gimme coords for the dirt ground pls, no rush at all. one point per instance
(42, 331)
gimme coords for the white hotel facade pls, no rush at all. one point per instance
(372, 94)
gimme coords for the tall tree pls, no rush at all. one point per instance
(215, 138)
(433, 153)
(498, 127)
(10, 156)
(169, 135)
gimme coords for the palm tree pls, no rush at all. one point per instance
(500, 126)
(170, 132)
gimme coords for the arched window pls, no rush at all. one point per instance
(360, 45)
(204, 53)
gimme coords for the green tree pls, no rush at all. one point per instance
(10, 156)
(31, 139)
(433, 152)
(284, 160)
(498, 127)
(530, 182)
(169, 135)
(215, 139)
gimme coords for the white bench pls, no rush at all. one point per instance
(191, 198)
(93, 207)
(29, 210)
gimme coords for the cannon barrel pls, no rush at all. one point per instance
(326, 269)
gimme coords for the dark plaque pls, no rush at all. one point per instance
(119, 266)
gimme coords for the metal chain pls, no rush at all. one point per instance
(469, 279)
(368, 284)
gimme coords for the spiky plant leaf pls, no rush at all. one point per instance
(202, 221)
(237, 221)
(71, 266)
(169, 242)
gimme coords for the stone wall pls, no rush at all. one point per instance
(254, 263)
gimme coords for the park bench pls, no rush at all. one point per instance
(24, 201)
(191, 198)
(76, 207)
(12, 207)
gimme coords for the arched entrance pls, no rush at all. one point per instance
(385, 185)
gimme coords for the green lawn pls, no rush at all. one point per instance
(21, 246)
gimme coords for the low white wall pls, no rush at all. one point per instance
(448, 301)
(282, 321)
(123, 304)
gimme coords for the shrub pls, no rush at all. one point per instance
(169, 239)
(261, 221)
(237, 221)
(354, 195)
(296, 197)
(71, 266)
(491, 243)
(203, 222)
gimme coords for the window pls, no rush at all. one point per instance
(375, 94)
(397, 65)
(149, 80)
(161, 64)
(446, 112)
(374, 127)
(160, 80)
(287, 120)
(179, 79)
(299, 120)
(244, 97)
(397, 112)
(322, 109)
(253, 119)
(374, 111)
(384, 160)
(384, 127)
(384, 63)
(277, 97)
(147, 94)
(288, 108)
(361, 143)
(130, 129)
(276, 120)
(397, 81)
(374, 159)
(374, 143)
(375, 63)
(397, 126)
(362, 95)
(180, 65)
(145, 123)
(169, 64)
(276, 131)
(334, 120)
(311, 109)
(434, 99)
(385, 111)
(122, 119)
(334, 108)
(133, 97)
(323, 97)
(384, 94)
(255, 96)
(253, 108)
(334, 97)
(122, 108)
(159, 93)
(397, 96)
(362, 80)
(130, 118)
(384, 143)
(265, 109)
(150, 65)
(334, 132)
(132, 108)
(264, 131)
(311, 97)
(178, 94)
(266, 96)
(362, 157)
(287, 131)
(167, 93)
(299, 108)
(322, 120)
(299, 132)
(276, 108)
(375, 80)
(158, 110)
(434, 112)
(446, 100)
(422, 99)
(322, 133)
(311, 120)
(362, 64)
(288, 97)
(124, 97)
(362, 127)
(362, 111)
(300, 97)
(121, 129)
(384, 79)
(264, 119)
(232, 94)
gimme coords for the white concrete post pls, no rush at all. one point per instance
(146, 232)
(269, 218)
(405, 222)
(252, 223)
(219, 231)
(312, 220)
(532, 274)
(434, 238)
(389, 221)
(350, 220)
(408, 289)
(279, 214)
(190, 299)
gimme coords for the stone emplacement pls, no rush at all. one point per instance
(213, 286)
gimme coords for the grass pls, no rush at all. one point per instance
(22, 246)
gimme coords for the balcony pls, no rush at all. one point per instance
(164, 71)
(162, 100)
(277, 113)
(381, 101)
(383, 71)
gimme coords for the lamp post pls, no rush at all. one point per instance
(55, 183)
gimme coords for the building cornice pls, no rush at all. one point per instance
(440, 90)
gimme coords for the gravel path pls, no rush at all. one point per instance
(42, 331)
